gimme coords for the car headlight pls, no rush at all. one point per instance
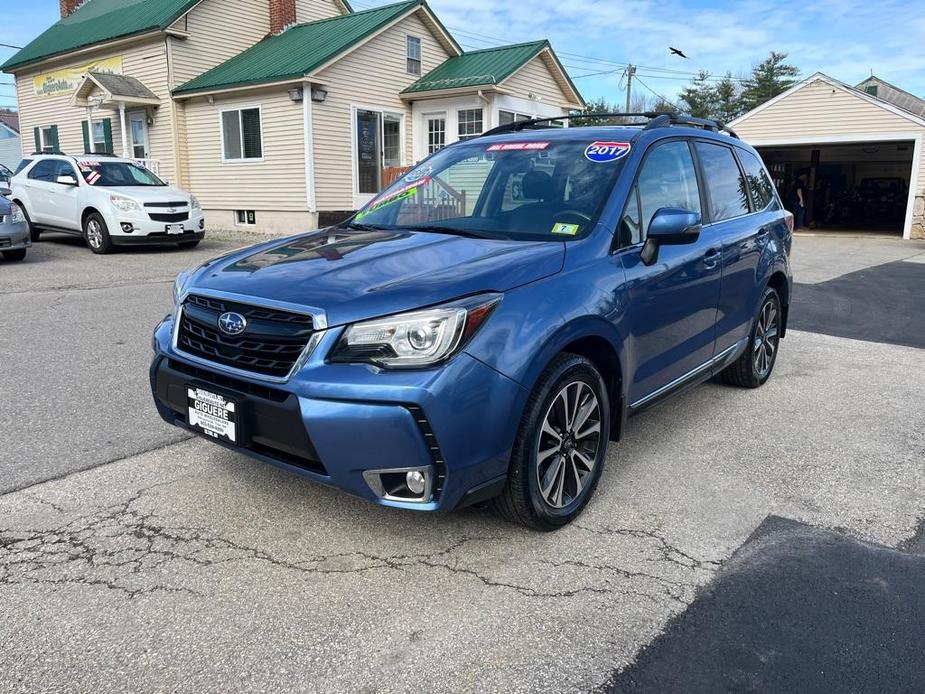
(194, 203)
(16, 215)
(417, 338)
(124, 204)
(179, 284)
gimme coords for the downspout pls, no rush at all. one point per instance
(307, 129)
(487, 101)
(174, 124)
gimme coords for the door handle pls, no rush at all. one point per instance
(711, 258)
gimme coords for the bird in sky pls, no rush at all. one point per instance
(677, 51)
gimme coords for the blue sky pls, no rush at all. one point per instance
(844, 38)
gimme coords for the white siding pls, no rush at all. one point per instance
(371, 76)
(219, 30)
(10, 153)
(313, 10)
(276, 183)
(535, 78)
(146, 61)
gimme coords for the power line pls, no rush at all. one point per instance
(10, 45)
(660, 96)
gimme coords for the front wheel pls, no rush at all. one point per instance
(96, 234)
(754, 365)
(559, 452)
(18, 254)
(34, 232)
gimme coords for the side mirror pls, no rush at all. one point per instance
(66, 180)
(670, 226)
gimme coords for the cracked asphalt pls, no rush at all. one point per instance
(133, 558)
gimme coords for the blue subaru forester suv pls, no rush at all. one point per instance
(486, 325)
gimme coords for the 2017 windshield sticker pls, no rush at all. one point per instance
(568, 229)
(515, 146)
(607, 151)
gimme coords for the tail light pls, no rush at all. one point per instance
(788, 218)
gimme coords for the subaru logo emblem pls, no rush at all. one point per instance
(232, 323)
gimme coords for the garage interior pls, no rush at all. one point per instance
(860, 186)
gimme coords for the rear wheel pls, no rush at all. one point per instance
(96, 233)
(18, 254)
(755, 364)
(559, 452)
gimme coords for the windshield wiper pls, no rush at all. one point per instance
(358, 226)
(437, 229)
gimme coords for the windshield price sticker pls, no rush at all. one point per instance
(517, 146)
(607, 151)
(568, 229)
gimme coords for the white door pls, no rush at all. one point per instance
(378, 141)
(138, 135)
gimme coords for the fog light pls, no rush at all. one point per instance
(416, 482)
(128, 227)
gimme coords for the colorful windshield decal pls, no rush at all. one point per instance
(516, 146)
(392, 196)
(417, 174)
(607, 151)
(92, 177)
(568, 229)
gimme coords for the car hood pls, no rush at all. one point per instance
(354, 275)
(150, 193)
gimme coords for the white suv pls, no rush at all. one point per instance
(108, 200)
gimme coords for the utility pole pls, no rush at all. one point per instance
(630, 71)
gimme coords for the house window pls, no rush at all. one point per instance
(245, 217)
(436, 133)
(48, 138)
(871, 89)
(413, 54)
(241, 135)
(470, 123)
(505, 117)
(99, 136)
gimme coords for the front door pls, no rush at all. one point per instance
(673, 302)
(138, 135)
(378, 144)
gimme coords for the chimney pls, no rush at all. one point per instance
(68, 6)
(282, 14)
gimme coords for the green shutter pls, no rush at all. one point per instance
(85, 129)
(250, 133)
(38, 140)
(55, 147)
(107, 134)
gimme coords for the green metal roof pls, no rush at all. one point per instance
(97, 21)
(478, 68)
(298, 50)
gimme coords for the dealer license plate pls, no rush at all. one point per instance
(212, 414)
(174, 229)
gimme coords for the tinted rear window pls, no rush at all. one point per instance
(759, 184)
(725, 186)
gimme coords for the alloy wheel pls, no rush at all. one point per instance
(568, 445)
(94, 233)
(767, 336)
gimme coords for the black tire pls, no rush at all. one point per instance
(34, 232)
(18, 254)
(97, 237)
(188, 244)
(745, 371)
(522, 499)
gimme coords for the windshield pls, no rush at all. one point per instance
(117, 173)
(526, 189)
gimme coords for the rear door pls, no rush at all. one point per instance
(673, 302)
(737, 230)
(62, 198)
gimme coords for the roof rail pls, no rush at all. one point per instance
(50, 151)
(656, 119)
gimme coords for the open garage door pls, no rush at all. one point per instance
(851, 186)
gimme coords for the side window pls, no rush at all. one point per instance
(630, 230)
(44, 170)
(22, 165)
(759, 184)
(723, 180)
(668, 180)
(65, 169)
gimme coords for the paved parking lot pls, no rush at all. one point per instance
(135, 558)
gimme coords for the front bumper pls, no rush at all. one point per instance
(137, 227)
(333, 422)
(14, 236)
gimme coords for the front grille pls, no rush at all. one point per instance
(177, 203)
(270, 345)
(5, 242)
(164, 217)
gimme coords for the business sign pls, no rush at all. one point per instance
(66, 80)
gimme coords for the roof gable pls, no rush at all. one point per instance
(98, 21)
(837, 87)
(299, 50)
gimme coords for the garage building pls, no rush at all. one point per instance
(858, 150)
